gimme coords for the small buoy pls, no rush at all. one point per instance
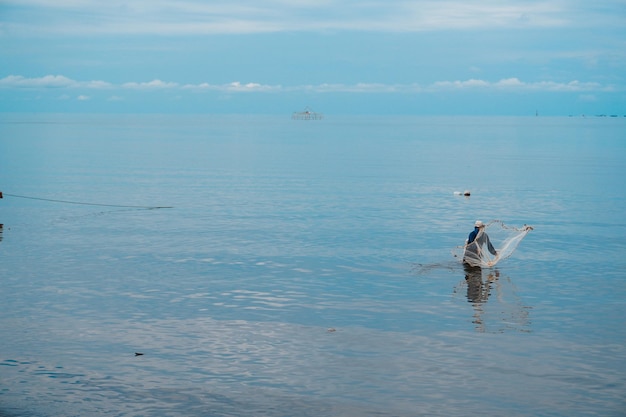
(138, 354)
(466, 193)
(457, 193)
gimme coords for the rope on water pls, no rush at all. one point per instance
(83, 203)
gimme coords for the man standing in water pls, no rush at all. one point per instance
(475, 242)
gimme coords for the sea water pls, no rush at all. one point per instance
(304, 268)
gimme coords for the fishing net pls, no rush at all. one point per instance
(493, 243)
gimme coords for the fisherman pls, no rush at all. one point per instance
(475, 241)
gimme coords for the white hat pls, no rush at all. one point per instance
(478, 224)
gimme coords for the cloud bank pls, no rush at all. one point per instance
(505, 85)
(194, 17)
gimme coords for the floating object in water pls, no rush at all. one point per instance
(466, 193)
(138, 354)
(331, 330)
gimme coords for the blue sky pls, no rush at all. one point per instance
(487, 57)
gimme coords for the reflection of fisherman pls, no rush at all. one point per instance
(476, 291)
(475, 241)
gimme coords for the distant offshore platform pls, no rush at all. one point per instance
(307, 114)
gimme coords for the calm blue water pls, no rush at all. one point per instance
(304, 268)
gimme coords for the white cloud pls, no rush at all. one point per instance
(514, 84)
(202, 86)
(49, 81)
(359, 88)
(83, 98)
(459, 84)
(154, 84)
(509, 83)
(235, 86)
(95, 84)
(574, 86)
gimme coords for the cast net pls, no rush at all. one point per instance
(494, 242)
